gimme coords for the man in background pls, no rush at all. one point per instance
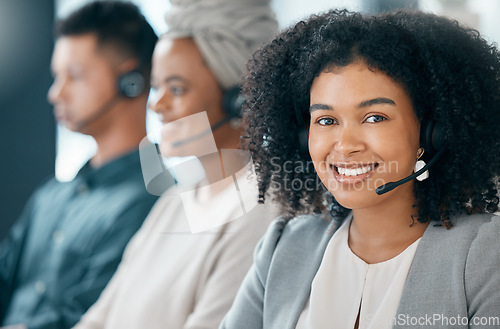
(70, 237)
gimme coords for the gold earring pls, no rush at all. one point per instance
(420, 164)
(420, 152)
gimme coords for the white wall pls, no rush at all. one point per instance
(292, 11)
(482, 15)
(153, 10)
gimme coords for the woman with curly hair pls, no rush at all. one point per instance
(377, 97)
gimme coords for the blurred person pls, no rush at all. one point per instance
(170, 277)
(70, 237)
(401, 112)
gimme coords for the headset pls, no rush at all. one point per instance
(232, 104)
(132, 84)
(129, 85)
(432, 139)
(302, 132)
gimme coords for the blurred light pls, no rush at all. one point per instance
(289, 12)
(73, 151)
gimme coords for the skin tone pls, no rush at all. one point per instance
(185, 86)
(364, 133)
(85, 98)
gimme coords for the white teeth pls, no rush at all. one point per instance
(355, 171)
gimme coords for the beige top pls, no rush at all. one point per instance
(346, 286)
(171, 278)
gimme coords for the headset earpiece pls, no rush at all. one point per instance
(432, 136)
(303, 137)
(433, 140)
(303, 131)
(232, 102)
(131, 84)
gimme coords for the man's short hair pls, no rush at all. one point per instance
(117, 24)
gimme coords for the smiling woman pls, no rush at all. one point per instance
(398, 55)
(355, 136)
(378, 96)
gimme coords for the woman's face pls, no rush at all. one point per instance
(184, 86)
(363, 133)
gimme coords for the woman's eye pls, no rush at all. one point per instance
(177, 91)
(326, 121)
(375, 118)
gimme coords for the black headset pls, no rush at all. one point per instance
(433, 140)
(302, 131)
(432, 136)
(133, 83)
(232, 102)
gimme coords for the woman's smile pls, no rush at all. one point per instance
(352, 173)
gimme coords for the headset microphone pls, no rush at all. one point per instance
(433, 140)
(392, 185)
(203, 133)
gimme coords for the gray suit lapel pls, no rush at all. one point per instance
(435, 285)
(302, 252)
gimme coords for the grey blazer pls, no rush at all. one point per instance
(453, 282)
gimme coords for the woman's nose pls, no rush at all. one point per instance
(348, 142)
(159, 100)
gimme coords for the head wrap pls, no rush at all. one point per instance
(226, 32)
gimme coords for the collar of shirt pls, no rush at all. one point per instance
(111, 172)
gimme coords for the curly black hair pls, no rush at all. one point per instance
(449, 71)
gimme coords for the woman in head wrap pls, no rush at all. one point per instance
(184, 266)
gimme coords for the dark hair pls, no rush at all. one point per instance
(450, 73)
(116, 24)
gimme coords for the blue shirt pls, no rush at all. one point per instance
(68, 242)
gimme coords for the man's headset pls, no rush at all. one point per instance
(432, 139)
(130, 84)
(232, 103)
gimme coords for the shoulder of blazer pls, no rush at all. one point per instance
(482, 277)
(293, 239)
(458, 263)
(464, 231)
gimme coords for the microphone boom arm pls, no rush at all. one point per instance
(392, 185)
